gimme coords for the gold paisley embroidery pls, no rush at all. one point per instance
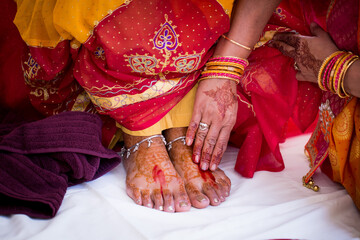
(342, 128)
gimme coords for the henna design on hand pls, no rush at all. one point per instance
(224, 97)
(307, 59)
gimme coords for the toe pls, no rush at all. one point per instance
(158, 200)
(224, 187)
(146, 200)
(197, 198)
(211, 194)
(134, 194)
(182, 202)
(168, 201)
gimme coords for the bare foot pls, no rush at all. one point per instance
(203, 187)
(151, 179)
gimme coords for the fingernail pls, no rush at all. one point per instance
(161, 208)
(148, 205)
(204, 166)
(213, 167)
(138, 201)
(197, 158)
(170, 208)
(216, 200)
(188, 142)
(227, 194)
(183, 204)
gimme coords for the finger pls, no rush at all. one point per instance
(209, 145)
(284, 48)
(220, 148)
(193, 126)
(287, 37)
(316, 30)
(198, 145)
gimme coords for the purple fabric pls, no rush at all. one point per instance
(40, 159)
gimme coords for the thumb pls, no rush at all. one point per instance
(316, 30)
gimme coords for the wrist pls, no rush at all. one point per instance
(352, 79)
(226, 48)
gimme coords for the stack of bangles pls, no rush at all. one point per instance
(224, 67)
(332, 72)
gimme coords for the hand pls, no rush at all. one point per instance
(308, 52)
(215, 105)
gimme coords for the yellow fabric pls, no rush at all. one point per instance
(44, 23)
(47, 22)
(178, 116)
(344, 149)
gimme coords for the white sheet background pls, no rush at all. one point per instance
(271, 205)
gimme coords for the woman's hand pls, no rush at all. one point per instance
(308, 52)
(215, 106)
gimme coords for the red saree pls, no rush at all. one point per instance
(139, 62)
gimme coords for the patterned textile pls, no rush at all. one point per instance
(334, 145)
(138, 61)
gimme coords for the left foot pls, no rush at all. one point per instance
(203, 187)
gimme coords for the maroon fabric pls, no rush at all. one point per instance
(13, 92)
(40, 159)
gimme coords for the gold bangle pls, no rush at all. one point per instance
(341, 90)
(225, 68)
(340, 62)
(228, 64)
(236, 43)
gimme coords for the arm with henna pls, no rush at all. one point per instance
(216, 99)
(310, 51)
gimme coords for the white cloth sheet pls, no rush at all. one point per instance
(269, 206)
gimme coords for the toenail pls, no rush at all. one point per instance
(216, 200)
(200, 198)
(213, 167)
(170, 208)
(148, 205)
(197, 158)
(138, 201)
(183, 204)
(204, 166)
(161, 208)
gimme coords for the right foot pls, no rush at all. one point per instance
(203, 187)
(151, 179)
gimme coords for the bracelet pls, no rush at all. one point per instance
(342, 92)
(323, 65)
(236, 43)
(333, 70)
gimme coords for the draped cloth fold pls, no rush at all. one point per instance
(40, 159)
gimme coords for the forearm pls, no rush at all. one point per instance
(352, 79)
(249, 18)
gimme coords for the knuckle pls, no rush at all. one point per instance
(193, 126)
(211, 142)
(201, 135)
